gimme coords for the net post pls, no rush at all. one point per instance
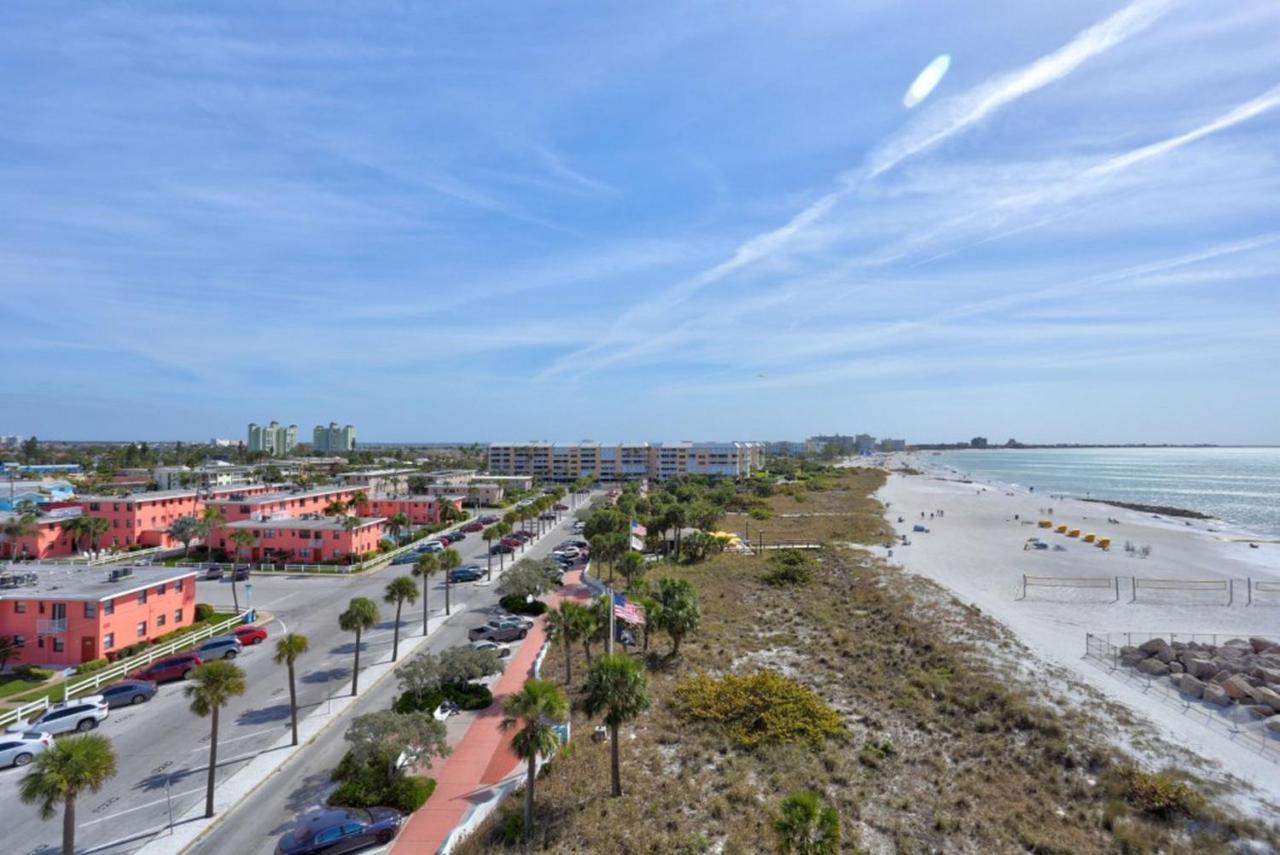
(1134, 581)
(1117, 599)
(1250, 602)
(1231, 590)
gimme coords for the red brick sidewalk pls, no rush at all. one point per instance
(483, 756)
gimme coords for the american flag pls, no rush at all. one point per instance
(627, 611)
(638, 530)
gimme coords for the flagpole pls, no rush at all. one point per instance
(612, 609)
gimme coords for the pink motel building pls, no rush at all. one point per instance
(309, 539)
(239, 506)
(421, 510)
(141, 518)
(48, 538)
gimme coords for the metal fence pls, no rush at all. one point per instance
(1232, 721)
(91, 682)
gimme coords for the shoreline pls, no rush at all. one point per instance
(1161, 510)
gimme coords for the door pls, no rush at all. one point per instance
(88, 648)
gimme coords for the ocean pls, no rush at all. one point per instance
(1240, 486)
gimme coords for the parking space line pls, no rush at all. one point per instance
(138, 808)
(222, 742)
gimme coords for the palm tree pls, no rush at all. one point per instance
(399, 590)
(426, 565)
(23, 525)
(398, 523)
(674, 517)
(587, 627)
(617, 687)
(489, 535)
(537, 707)
(243, 539)
(70, 767)
(563, 625)
(358, 498)
(288, 649)
(334, 508)
(210, 687)
(97, 527)
(184, 529)
(78, 528)
(806, 827)
(504, 529)
(210, 519)
(361, 614)
(449, 560)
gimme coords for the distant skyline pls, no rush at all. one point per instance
(660, 221)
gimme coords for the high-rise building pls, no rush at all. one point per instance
(275, 439)
(326, 440)
(625, 461)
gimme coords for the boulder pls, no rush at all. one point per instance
(1236, 642)
(1155, 646)
(1226, 651)
(1216, 695)
(1267, 675)
(1273, 724)
(1131, 656)
(1223, 676)
(1238, 688)
(1270, 697)
(1201, 669)
(1260, 711)
(1261, 645)
(1189, 685)
(1153, 666)
(1176, 667)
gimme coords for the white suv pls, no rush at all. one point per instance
(82, 714)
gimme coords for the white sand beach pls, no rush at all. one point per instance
(976, 549)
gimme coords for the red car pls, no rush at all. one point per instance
(171, 668)
(512, 541)
(473, 527)
(250, 634)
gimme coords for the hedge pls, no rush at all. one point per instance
(468, 696)
(520, 606)
(369, 782)
(92, 665)
(204, 611)
(32, 673)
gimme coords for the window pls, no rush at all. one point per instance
(177, 615)
(177, 585)
(160, 619)
(57, 645)
(142, 596)
(20, 608)
(142, 629)
(108, 641)
(160, 590)
(108, 606)
(93, 506)
(90, 610)
(19, 641)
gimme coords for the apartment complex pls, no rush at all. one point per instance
(625, 461)
(311, 538)
(141, 519)
(326, 440)
(421, 510)
(275, 439)
(215, 473)
(67, 615)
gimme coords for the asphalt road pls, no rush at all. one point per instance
(162, 747)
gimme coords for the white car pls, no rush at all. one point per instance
(19, 749)
(445, 710)
(497, 647)
(82, 714)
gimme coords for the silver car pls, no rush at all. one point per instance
(221, 647)
(82, 714)
(19, 749)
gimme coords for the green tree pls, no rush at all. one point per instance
(360, 616)
(335, 508)
(425, 567)
(288, 649)
(416, 735)
(8, 649)
(71, 766)
(632, 566)
(535, 709)
(562, 627)
(20, 526)
(398, 523)
(400, 590)
(504, 529)
(210, 687)
(243, 539)
(184, 530)
(527, 578)
(97, 527)
(678, 613)
(210, 519)
(617, 687)
(449, 561)
(489, 535)
(805, 827)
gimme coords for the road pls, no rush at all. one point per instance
(162, 747)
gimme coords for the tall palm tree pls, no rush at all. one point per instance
(335, 508)
(71, 766)
(616, 686)
(587, 627)
(399, 590)
(426, 565)
(243, 539)
(184, 530)
(98, 526)
(78, 528)
(288, 649)
(210, 687)
(358, 498)
(562, 626)
(398, 523)
(489, 535)
(361, 615)
(535, 709)
(449, 561)
(210, 518)
(504, 529)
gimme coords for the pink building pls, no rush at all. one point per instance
(241, 506)
(141, 518)
(310, 539)
(67, 615)
(421, 510)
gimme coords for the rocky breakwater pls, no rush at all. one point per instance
(1240, 671)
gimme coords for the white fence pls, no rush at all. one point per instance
(96, 680)
(1108, 583)
(1226, 586)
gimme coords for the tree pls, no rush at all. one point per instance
(358, 499)
(184, 530)
(534, 709)
(806, 827)
(335, 508)
(361, 615)
(449, 561)
(563, 625)
(96, 527)
(398, 523)
(23, 525)
(415, 735)
(504, 529)
(674, 517)
(243, 539)
(526, 579)
(71, 766)
(632, 566)
(8, 650)
(288, 649)
(210, 687)
(617, 687)
(489, 535)
(678, 612)
(399, 590)
(425, 566)
(210, 519)
(589, 625)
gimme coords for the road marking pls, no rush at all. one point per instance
(221, 742)
(139, 807)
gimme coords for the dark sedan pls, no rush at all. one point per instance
(342, 830)
(466, 574)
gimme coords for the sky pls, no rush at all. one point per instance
(641, 221)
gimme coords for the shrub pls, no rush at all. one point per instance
(790, 567)
(520, 606)
(91, 666)
(204, 611)
(469, 696)
(407, 793)
(760, 512)
(371, 782)
(1159, 794)
(757, 709)
(32, 673)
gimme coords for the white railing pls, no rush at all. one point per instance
(119, 669)
(52, 626)
(109, 556)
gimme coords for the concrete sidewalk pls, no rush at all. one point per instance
(482, 767)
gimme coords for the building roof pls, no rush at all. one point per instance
(417, 497)
(280, 496)
(310, 523)
(62, 582)
(147, 496)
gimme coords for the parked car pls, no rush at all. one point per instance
(453, 537)
(241, 574)
(473, 527)
(502, 617)
(406, 557)
(487, 519)
(82, 715)
(342, 830)
(506, 632)
(128, 692)
(213, 573)
(502, 650)
(466, 574)
(567, 551)
(220, 647)
(549, 515)
(249, 634)
(522, 535)
(501, 547)
(433, 546)
(170, 668)
(19, 749)
(560, 506)
(445, 710)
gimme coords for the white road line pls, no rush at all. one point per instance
(221, 742)
(139, 807)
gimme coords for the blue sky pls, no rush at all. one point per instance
(654, 221)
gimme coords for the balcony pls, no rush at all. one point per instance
(56, 626)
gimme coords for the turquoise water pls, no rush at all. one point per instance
(1240, 486)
